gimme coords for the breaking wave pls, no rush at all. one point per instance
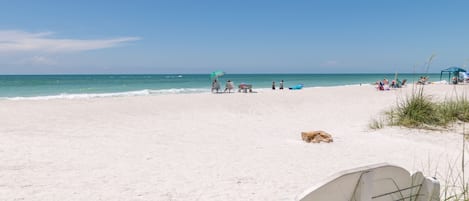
(144, 92)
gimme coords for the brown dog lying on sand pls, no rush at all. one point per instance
(316, 136)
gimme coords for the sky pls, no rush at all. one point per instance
(252, 36)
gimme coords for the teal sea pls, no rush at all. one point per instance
(89, 86)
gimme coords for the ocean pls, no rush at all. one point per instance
(16, 87)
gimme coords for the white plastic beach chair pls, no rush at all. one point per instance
(380, 182)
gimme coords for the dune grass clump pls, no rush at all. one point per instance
(454, 110)
(419, 111)
(416, 111)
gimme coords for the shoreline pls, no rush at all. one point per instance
(149, 92)
(92, 86)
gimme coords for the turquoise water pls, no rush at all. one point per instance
(79, 86)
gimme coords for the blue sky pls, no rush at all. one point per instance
(44, 37)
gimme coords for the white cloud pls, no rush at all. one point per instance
(34, 60)
(20, 41)
(42, 60)
(329, 63)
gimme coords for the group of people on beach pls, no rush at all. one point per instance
(280, 85)
(386, 85)
(423, 80)
(228, 86)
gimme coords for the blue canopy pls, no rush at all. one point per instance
(452, 70)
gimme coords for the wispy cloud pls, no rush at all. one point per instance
(40, 60)
(329, 63)
(20, 41)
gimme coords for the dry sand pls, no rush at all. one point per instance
(205, 146)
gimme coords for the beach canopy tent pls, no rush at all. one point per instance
(216, 74)
(452, 71)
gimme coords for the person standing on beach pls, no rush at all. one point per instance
(215, 86)
(273, 85)
(229, 86)
(281, 85)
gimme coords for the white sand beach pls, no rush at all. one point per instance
(235, 147)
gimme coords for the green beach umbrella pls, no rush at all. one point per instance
(216, 74)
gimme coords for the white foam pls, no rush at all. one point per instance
(144, 92)
(173, 76)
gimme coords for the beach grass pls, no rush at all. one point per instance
(457, 109)
(416, 111)
(456, 185)
(377, 124)
(420, 111)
